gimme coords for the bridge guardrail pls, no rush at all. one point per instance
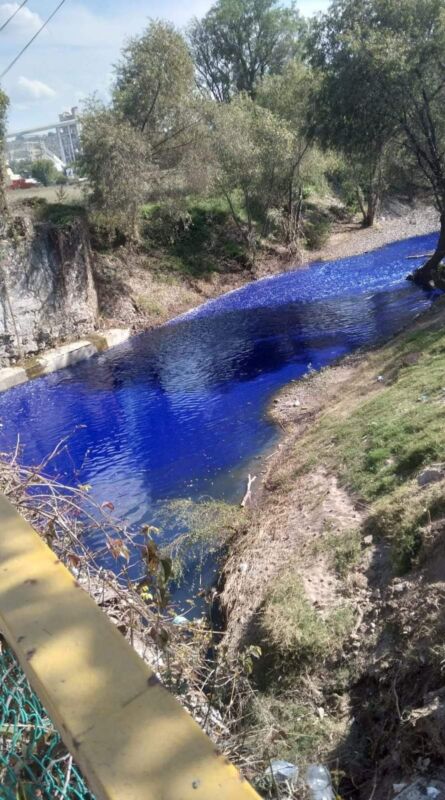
(127, 733)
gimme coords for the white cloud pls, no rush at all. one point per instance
(37, 90)
(25, 21)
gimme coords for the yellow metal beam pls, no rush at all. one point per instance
(130, 737)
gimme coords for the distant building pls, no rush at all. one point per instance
(69, 135)
(59, 142)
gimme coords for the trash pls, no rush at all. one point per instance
(318, 780)
(421, 789)
(380, 378)
(398, 787)
(368, 540)
(282, 772)
(180, 620)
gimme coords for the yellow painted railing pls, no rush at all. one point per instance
(130, 737)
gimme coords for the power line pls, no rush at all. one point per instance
(19, 8)
(31, 40)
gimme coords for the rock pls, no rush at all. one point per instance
(368, 540)
(12, 376)
(431, 474)
(47, 287)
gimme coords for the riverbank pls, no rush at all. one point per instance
(339, 579)
(142, 289)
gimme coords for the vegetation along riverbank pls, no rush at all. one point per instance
(337, 583)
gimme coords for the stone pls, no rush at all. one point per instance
(12, 376)
(431, 474)
(47, 290)
(368, 540)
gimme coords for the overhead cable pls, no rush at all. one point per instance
(14, 61)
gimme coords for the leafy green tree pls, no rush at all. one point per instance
(44, 172)
(154, 90)
(388, 56)
(3, 109)
(408, 55)
(289, 97)
(116, 159)
(254, 153)
(238, 42)
(350, 112)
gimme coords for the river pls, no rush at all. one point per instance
(180, 411)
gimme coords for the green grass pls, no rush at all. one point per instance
(388, 438)
(378, 444)
(60, 214)
(343, 550)
(296, 630)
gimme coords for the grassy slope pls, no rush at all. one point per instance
(374, 435)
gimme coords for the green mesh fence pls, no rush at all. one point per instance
(34, 763)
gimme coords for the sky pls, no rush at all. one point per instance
(74, 55)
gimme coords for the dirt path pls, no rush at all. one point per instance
(400, 222)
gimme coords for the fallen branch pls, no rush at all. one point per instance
(248, 496)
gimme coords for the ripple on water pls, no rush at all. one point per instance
(179, 411)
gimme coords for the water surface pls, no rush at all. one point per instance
(180, 411)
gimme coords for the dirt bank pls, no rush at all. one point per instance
(340, 577)
(141, 288)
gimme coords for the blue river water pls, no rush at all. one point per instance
(180, 411)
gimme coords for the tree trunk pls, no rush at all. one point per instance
(372, 202)
(427, 274)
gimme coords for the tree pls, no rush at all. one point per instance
(254, 153)
(44, 171)
(238, 42)
(409, 59)
(396, 50)
(350, 113)
(3, 108)
(154, 88)
(116, 159)
(289, 97)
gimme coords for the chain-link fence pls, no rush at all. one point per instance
(34, 762)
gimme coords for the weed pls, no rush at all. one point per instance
(148, 305)
(344, 550)
(295, 629)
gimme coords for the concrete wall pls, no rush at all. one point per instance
(47, 289)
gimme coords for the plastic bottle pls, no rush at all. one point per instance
(318, 780)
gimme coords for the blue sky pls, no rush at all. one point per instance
(74, 56)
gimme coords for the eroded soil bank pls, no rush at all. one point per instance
(141, 288)
(339, 578)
